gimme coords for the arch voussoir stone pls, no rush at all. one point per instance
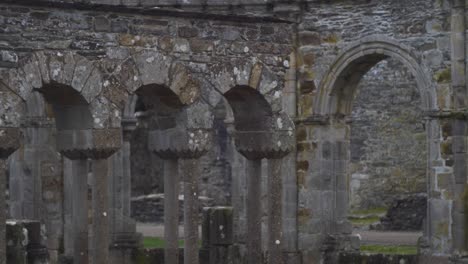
(153, 67)
(252, 74)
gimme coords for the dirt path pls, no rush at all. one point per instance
(388, 238)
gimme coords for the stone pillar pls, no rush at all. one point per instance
(100, 246)
(79, 198)
(124, 239)
(239, 186)
(255, 146)
(97, 145)
(188, 145)
(275, 227)
(171, 211)
(190, 169)
(9, 143)
(254, 211)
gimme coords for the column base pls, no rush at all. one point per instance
(123, 248)
(292, 257)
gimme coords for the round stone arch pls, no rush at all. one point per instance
(338, 87)
(152, 68)
(252, 90)
(331, 132)
(54, 72)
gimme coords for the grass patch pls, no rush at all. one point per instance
(378, 210)
(364, 221)
(157, 242)
(389, 250)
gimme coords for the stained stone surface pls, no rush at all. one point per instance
(289, 66)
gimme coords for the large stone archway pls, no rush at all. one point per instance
(325, 137)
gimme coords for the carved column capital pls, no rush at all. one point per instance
(177, 143)
(9, 141)
(264, 144)
(89, 143)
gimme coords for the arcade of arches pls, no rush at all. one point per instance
(267, 85)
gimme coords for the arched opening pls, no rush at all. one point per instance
(388, 156)
(251, 111)
(364, 64)
(70, 108)
(42, 178)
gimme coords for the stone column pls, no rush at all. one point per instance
(124, 238)
(254, 211)
(100, 246)
(275, 227)
(190, 169)
(79, 196)
(9, 143)
(187, 145)
(171, 211)
(97, 145)
(256, 145)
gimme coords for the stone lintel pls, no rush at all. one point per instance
(89, 143)
(9, 141)
(181, 143)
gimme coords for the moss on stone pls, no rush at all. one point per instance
(443, 76)
(332, 38)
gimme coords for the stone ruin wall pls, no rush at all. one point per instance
(326, 30)
(110, 39)
(388, 138)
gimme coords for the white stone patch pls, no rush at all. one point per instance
(150, 59)
(182, 48)
(97, 120)
(26, 237)
(279, 122)
(59, 54)
(246, 49)
(56, 72)
(135, 78)
(286, 63)
(221, 227)
(277, 94)
(194, 194)
(190, 141)
(279, 143)
(236, 71)
(290, 133)
(277, 242)
(192, 135)
(104, 214)
(106, 83)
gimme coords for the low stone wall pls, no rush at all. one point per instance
(150, 208)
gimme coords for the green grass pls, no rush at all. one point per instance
(364, 221)
(378, 210)
(389, 250)
(157, 242)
